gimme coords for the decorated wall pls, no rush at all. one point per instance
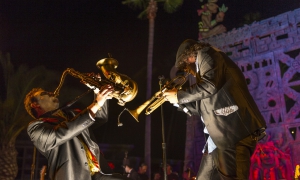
(268, 53)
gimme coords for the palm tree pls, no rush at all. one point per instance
(149, 8)
(14, 117)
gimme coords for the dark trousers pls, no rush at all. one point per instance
(99, 176)
(229, 164)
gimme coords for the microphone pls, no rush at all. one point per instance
(184, 109)
(119, 122)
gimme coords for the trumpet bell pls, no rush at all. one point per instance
(134, 114)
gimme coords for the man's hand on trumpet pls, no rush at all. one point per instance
(171, 95)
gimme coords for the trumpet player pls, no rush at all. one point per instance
(64, 139)
(231, 116)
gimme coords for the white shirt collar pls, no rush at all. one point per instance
(196, 63)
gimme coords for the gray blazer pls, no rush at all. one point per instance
(58, 141)
(222, 97)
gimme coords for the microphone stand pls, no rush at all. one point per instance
(163, 133)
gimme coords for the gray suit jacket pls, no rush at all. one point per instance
(58, 141)
(222, 97)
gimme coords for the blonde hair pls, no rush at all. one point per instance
(29, 99)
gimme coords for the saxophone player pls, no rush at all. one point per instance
(64, 139)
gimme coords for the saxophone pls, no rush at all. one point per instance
(125, 89)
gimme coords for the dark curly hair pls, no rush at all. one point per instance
(191, 51)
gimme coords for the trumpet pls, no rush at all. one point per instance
(157, 99)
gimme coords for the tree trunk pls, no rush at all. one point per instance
(152, 8)
(8, 163)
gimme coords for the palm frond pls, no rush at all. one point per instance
(136, 4)
(14, 117)
(143, 14)
(171, 6)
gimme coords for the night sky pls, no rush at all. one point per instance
(76, 34)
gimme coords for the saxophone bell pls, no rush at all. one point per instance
(125, 89)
